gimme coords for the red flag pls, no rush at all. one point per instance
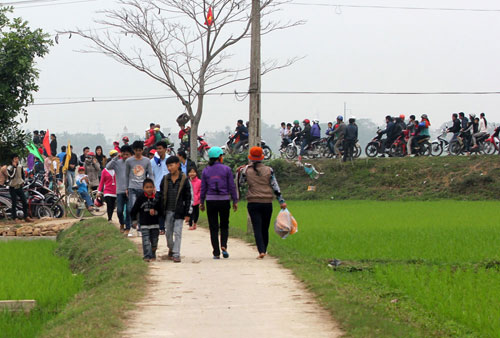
(210, 17)
(46, 143)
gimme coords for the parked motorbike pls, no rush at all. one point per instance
(314, 150)
(441, 144)
(492, 143)
(203, 148)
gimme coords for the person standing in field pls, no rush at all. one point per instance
(137, 169)
(196, 185)
(107, 187)
(117, 164)
(186, 163)
(175, 191)
(350, 138)
(53, 144)
(217, 189)
(262, 187)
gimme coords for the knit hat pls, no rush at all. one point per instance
(256, 154)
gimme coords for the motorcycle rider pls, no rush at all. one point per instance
(411, 132)
(389, 131)
(422, 130)
(455, 128)
(306, 137)
(350, 138)
(316, 130)
(483, 130)
(242, 134)
(296, 130)
(339, 133)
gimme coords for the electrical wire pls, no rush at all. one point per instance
(449, 9)
(242, 95)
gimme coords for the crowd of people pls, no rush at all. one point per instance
(338, 135)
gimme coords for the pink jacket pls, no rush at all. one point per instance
(108, 183)
(196, 184)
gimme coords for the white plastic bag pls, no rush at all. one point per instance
(285, 224)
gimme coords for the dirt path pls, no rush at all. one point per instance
(236, 297)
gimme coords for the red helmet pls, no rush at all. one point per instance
(306, 121)
(125, 139)
(98, 201)
(91, 154)
(402, 116)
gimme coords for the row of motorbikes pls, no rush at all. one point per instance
(321, 148)
(459, 145)
(42, 201)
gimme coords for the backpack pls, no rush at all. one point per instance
(183, 119)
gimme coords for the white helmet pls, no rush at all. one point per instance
(316, 121)
(352, 118)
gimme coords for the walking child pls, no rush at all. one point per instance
(177, 205)
(196, 184)
(148, 207)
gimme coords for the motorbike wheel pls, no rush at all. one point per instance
(371, 149)
(357, 151)
(44, 211)
(396, 150)
(268, 153)
(489, 148)
(436, 149)
(425, 149)
(291, 152)
(456, 148)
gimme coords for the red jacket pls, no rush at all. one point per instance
(108, 183)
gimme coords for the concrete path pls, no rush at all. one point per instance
(236, 297)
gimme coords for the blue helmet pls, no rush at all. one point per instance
(215, 152)
(340, 118)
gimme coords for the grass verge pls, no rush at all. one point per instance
(410, 269)
(114, 275)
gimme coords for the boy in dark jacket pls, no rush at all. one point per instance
(148, 209)
(177, 202)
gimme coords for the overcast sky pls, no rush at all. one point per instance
(359, 49)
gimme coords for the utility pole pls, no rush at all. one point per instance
(255, 75)
(255, 86)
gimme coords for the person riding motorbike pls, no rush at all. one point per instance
(242, 134)
(296, 130)
(306, 137)
(482, 131)
(422, 130)
(389, 131)
(338, 135)
(411, 131)
(455, 128)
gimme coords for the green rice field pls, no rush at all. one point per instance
(31, 270)
(408, 268)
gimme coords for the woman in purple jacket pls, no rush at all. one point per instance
(218, 188)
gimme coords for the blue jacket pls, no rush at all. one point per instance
(315, 130)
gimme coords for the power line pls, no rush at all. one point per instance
(449, 9)
(151, 98)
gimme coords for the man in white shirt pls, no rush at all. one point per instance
(158, 163)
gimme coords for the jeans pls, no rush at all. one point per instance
(150, 242)
(240, 144)
(216, 209)
(88, 201)
(110, 205)
(260, 214)
(16, 193)
(70, 181)
(132, 197)
(173, 232)
(195, 215)
(337, 145)
(303, 146)
(121, 207)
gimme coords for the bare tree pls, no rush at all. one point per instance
(178, 45)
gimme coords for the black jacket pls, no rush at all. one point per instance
(351, 132)
(73, 160)
(53, 147)
(456, 126)
(141, 208)
(306, 133)
(389, 130)
(296, 132)
(184, 201)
